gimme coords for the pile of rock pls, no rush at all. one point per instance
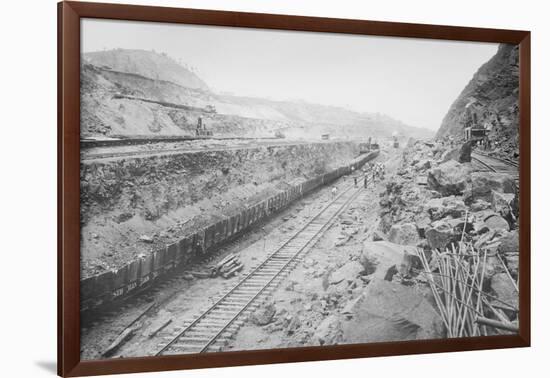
(399, 203)
(456, 207)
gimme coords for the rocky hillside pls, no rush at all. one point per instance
(490, 99)
(146, 63)
(130, 92)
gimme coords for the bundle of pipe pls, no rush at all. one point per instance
(456, 278)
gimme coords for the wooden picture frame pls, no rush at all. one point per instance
(69, 16)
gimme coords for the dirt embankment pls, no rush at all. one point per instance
(130, 206)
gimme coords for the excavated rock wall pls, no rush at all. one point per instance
(306, 168)
(151, 186)
(489, 99)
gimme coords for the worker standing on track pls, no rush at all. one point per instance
(334, 191)
(355, 181)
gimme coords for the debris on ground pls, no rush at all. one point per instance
(120, 340)
(146, 239)
(264, 315)
(227, 267)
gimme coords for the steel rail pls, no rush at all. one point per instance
(277, 275)
(484, 164)
(500, 165)
(172, 151)
(280, 269)
(504, 161)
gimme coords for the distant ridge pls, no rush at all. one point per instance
(138, 92)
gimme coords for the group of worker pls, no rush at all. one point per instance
(487, 144)
(378, 171)
(356, 180)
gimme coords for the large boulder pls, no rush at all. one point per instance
(348, 272)
(461, 225)
(411, 264)
(415, 159)
(390, 311)
(505, 204)
(422, 222)
(450, 154)
(465, 153)
(480, 205)
(378, 257)
(491, 266)
(509, 250)
(442, 207)
(509, 243)
(484, 183)
(479, 220)
(423, 164)
(404, 234)
(263, 315)
(440, 234)
(496, 222)
(378, 235)
(512, 263)
(504, 289)
(490, 240)
(438, 151)
(329, 331)
(449, 178)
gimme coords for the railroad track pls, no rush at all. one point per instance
(174, 149)
(493, 164)
(210, 330)
(507, 162)
(119, 142)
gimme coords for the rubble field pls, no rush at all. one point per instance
(371, 277)
(376, 275)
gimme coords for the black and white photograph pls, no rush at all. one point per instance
(245, 189)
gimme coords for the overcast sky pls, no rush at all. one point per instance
(412, 80)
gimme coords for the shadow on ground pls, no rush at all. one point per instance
(49, 366)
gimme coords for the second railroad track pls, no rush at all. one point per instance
(493, 164)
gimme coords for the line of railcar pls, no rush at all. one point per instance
(141, 273)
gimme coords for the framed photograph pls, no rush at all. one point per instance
(239, 188)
